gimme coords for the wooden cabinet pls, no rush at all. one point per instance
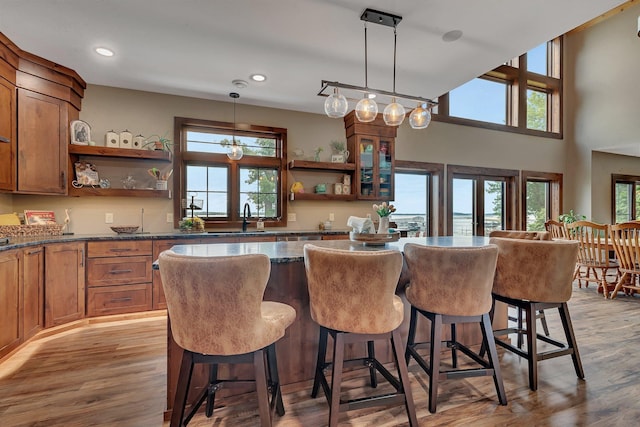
(10, 302)
(374, 167)
(119, 278)
(64, 283)
(126, 160)
(373, 145)
(38, 100)
(7, 135)
(33, 285)
(312, 173)
(43, 138)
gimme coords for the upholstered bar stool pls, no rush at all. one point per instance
(537, 275)
(449, 286)
(218, 317)
(351, 296)
(527, 235)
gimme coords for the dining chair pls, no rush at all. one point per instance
(534, 275)
(556, 228)
(625, 239)
(352, 298)
(594, 263)
(217, 316)
(452, 286)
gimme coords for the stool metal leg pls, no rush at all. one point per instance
(320, 361)
(211, 396)
(532, 346)
(371, 353)
(261, 388)
(411, 338)
(571, 339)
(488, 340)
(274, 380)
(403, 374)
(336, 378)
(182, 390)
(434, 350)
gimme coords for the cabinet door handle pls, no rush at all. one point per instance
(120, 250)
(120, 271)
(36, 251)
(63, 180)
(82, 257)
(4, 139)
(124, 299)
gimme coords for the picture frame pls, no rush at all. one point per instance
(32, 217)
(80, 132)
(337, 158)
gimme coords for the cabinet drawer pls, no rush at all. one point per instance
(118, 270)
(118, 299)
(118, 248)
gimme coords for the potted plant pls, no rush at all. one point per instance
(160, 144)
(570, 217)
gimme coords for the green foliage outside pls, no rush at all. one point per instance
(265, 198)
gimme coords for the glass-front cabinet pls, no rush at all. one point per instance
(374, 158)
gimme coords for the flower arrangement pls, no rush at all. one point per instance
(192, 223)
(384, 210)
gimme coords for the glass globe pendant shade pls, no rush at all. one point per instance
(420, 117)
(336, 106)
(393, 114)
(366, 109)
(234, 152)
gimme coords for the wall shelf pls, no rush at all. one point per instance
(118, 192)
(322, 166)
(317, 196)
(90, 150)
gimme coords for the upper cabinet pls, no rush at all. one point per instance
(373, 145)
(38, 100)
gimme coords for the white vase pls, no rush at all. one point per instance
(383, 225)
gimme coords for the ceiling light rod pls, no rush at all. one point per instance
(328, 84)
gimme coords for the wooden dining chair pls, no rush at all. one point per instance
(594, 263)
(556, 228)
(625, 239)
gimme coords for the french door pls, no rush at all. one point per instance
(480, 200)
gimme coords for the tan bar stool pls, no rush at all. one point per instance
(351, 296)
(537, 275)
(449, 286)
(217, 316)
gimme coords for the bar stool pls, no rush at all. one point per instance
(217, 316)
(537, 275)
(449, 286)
(351, 296)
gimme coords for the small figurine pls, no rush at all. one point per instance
(297, 187)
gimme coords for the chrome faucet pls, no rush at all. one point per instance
(246, 212)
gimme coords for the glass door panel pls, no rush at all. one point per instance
(493, 207)
(366, 151)
(464, 212)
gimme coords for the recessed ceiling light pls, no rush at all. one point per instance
(451, 36)
(240, 84)
(104, 51)
(258, 77)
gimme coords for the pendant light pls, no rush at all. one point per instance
(336, 105)
(393, 114)
(234, 151)
(420, 117)
(366, 108)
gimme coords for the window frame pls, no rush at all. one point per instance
(624, 179)
(183, 157)
(555, 193)
(435, 201)
(512, 74)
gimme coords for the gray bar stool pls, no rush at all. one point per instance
(217, 316)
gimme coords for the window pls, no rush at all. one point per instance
(626, 198)
(480, 200)
(220, 186)
(522, 95)
(542, 198)
(417, 201)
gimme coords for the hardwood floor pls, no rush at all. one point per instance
(113, 374)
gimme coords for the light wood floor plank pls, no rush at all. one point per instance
(113, 374)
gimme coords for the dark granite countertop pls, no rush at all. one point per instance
(21, 242)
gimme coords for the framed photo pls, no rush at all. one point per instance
(80, 132)
(337, 158)
(39, 217)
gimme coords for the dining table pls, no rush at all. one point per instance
(297, 350)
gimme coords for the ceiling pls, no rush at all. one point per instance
(197, 48)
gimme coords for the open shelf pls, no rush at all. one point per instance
(317, 196)
(90, 150)
(322, 166)
(118, 192)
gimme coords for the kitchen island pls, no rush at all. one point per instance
(297, 350)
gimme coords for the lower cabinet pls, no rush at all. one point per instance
(119, 278)
(33, 285)
(10, 302)
(64, 283)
